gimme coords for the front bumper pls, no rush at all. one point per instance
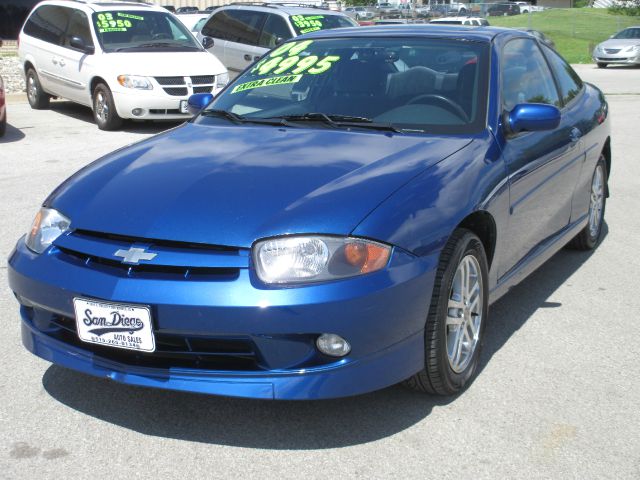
(382, 315)
(617, 59)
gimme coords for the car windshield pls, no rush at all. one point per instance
(629, 33)
(312, 23)
(419, 85)
(136, 31)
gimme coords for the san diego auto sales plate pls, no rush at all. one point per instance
(114, 325)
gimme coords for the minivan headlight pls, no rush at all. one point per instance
(222, 80)
(48, 225)
(135, 81)
(305, 259)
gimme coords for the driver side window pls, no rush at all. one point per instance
(526, 77)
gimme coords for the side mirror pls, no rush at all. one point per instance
(207, 42)
(198, 101)
(279, 40)
(532, 117)
(79, 44)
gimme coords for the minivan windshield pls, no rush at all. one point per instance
(138, 31)
(421, 85)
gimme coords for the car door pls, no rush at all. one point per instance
(275, 31)
(541, 165)
(74, 65)
(242, 48)
(47, 26)
(216, 28)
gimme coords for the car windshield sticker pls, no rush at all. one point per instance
(307, 23)
(265, 82)
(106, 23)
(287, 59)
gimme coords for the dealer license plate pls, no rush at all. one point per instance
(184, 106)
(114, 324)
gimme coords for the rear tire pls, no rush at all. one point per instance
(457, 317)
(38, 98)
(601, 65)
(104, 109)
(589, 236)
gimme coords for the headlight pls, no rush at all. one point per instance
(48, 225)
(298, 259)
(134, 81)
(632, 48)
(222, 80)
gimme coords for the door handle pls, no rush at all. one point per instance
(54, 61)
(247, 57)
(61, 62)
(575, 134)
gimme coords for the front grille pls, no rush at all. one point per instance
(613, 59)
(170, 80)
(176, 92)
(172, 351)
(171, 111)
(612, 50)
(202, 89)
(202, 79)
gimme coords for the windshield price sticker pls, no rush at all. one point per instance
(266, 82)
(307, 23)
(287, 59)
(106, 23)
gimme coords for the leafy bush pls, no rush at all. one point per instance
(626, 7)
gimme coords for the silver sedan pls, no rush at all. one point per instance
(623, 48)
(358, 13)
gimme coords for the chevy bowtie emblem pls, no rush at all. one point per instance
(134, 255)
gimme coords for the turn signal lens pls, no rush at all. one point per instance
(368, 257)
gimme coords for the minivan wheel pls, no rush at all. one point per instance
(589, 236)
(457, 317)
(38, 98)
(104, 109)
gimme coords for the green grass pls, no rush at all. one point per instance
(575, 31)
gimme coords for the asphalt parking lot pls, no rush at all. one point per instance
(557, 395)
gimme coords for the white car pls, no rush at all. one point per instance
(468, 21)
(241, 34)
(124, 60)
(193, 21)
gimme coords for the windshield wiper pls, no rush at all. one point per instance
(157, 45)
(336, 121)
(235, 118)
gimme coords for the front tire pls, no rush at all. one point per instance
(589, 236)
(457, 317)
(38, 98)
(104, 109)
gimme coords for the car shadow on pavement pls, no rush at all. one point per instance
(295, 425)
(80, 112)
(12, 134)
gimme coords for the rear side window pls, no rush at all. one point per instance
(526, 77)
(48, 23)
(274, 28)
(568, 80)
(241, 26)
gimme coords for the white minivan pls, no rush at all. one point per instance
(122, 59)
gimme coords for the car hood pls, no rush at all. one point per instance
(231, 185)
(161, 63)
(620, 43)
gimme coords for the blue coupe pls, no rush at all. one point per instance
(338, 220)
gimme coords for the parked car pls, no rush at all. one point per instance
(170, 8)
(3, 109)
(623, 48)
(337, 220)
(526, 7)
(388, 10)
(124, 60)
(359, 13)
(241, 34)
(503, 9)
(193, 21)
(183, 10)
(469, 21)
(541, 36)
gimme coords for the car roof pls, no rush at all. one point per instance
(477, 33)
(284, 8)
(101, 5)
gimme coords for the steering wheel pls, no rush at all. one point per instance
(161, 36)
(440, 100)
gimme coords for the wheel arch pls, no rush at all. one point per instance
(94, 83)
(483, 225)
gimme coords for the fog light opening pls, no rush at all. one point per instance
(137, 112)
(333, 345)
